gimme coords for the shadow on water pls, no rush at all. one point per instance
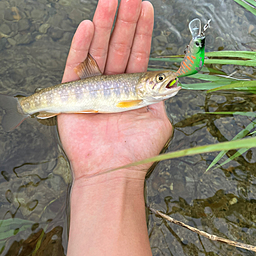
(35, 178)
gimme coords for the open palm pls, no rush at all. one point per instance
(98, 142)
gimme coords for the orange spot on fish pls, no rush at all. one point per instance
(128, 103)
(190, 65)
(193, 56)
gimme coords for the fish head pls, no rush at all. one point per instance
(160, 85)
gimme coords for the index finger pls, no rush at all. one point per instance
(78, 50)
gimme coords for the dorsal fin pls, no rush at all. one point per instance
(88, 68)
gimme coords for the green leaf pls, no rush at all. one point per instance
(212, 78)
(247, 6)
(250, 57)
(252, 2)
(240, 135)
(244, 143)
(10, 227)
(238, 153)
(250, 63)
(203, 86)
(250, 114)
(233, 54)
(241, 85)
(39, 242)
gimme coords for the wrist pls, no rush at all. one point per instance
(104, 172)
(84, 178)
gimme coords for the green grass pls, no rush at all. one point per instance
(249, 5)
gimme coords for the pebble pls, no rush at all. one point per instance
(233, 201)
(8, 14)
(23, 25)
(5, 29)
(44, 28)
(64, 2)
(251, 28)
(56, 33)
(11, 41)
(23, 39)
(37, 14)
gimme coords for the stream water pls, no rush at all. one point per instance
(35, 179)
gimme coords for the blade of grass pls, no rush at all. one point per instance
(238, 153)
(250, 114)
(39, 242)
(246, 6)
(251, 142)
(252, 2)
(8, 224)
(233, 54)
(249, 55)
(204, 86)
(250, 63)
(212, 78)
(241, 85)
(240, 135)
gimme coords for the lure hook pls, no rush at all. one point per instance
(207, 25)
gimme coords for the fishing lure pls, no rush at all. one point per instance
(194, 58)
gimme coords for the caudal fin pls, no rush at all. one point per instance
(12, 116)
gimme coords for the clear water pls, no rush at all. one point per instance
(35, 178)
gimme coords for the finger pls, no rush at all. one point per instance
(78, 50)
(140, 51)
(122, 36)
(103, 21)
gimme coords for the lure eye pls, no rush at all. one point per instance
(197, 44)
(160, 78)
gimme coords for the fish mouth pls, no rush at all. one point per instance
(173, 83)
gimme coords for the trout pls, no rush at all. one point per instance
(94, 93)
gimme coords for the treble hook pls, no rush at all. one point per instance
(207, 25)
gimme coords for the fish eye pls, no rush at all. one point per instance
(160, 78)
(197, 44)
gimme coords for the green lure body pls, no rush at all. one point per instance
(194, 58)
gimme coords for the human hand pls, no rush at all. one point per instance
(98, 142)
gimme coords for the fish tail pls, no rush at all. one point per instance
(13, 114)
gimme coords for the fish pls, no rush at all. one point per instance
(194, 54)
(93, 93)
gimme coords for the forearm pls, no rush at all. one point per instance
(108, 216)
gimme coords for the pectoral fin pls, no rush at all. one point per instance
(128, 103)
(88, 68)
(45, 115)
